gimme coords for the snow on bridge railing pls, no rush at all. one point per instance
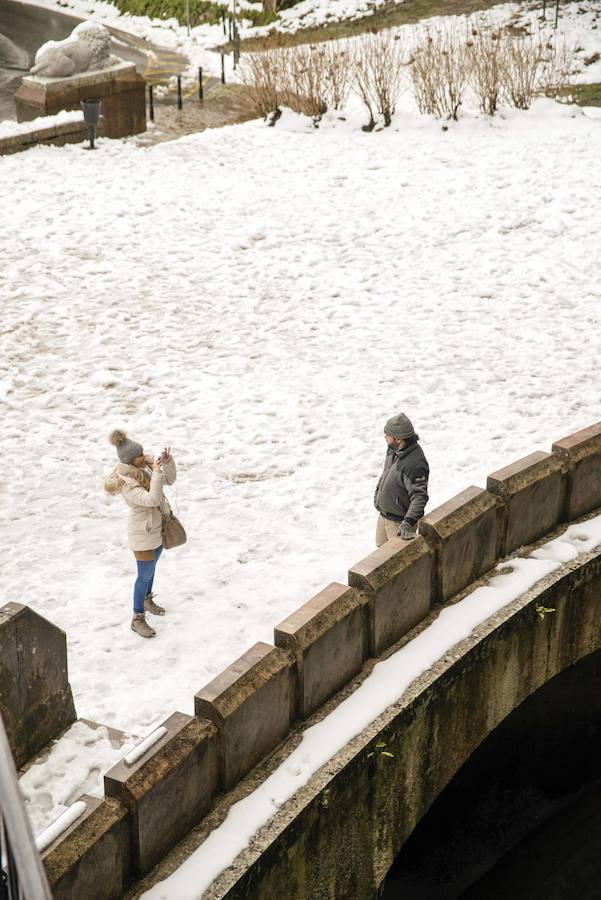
(243, 714)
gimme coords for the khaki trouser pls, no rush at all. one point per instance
(385, 529)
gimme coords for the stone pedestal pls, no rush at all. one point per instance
(121, 89)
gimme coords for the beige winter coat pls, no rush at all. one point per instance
(145, 506)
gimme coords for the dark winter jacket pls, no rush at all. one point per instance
(402, 491)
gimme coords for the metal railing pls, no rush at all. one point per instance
(22, 875)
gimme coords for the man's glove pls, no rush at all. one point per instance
(406, 531)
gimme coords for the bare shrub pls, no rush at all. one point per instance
(297, 77)
(486, 47)
(337, 67)
(439, 68)
(261, 74)
(521, 68)
(556, 65)
(303, 83)
(363, 83)
(378, 70)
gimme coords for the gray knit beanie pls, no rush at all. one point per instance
(127, 450)
(399, 427)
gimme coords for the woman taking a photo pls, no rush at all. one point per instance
(140, 479)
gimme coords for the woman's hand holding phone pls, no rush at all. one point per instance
(164, 457)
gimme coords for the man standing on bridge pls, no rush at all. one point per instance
(402, 491)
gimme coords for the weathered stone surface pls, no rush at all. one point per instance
(328, 636)
(56, 135)
(581, 452)
(397, 579)
(533, 490)
(121, 90)
(91, 859)
(169, 789)
(36, 702)
(252, 703)
(464, 533)
(339, 834)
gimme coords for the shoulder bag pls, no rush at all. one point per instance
(172, 530)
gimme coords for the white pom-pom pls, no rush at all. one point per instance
(117, 437)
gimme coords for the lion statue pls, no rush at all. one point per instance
(85, 50)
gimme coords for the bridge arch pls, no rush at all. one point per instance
(522, 817)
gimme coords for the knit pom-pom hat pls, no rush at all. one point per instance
(127, 450)
(399, 427)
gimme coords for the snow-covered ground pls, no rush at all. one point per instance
(262, 300)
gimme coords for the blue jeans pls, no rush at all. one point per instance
(143, 585)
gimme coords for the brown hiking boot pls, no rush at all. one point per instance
(151, 607)
(141, 626)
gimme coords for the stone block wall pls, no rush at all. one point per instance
(252, 704)
(169, 789)
(243, 714)
(91, 858)
(36, 702)
(396, 581)
(532, 491)
(329, 639)
(580, 453)
(464, 535)
(53, 131)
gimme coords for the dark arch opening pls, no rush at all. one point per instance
(522, 817)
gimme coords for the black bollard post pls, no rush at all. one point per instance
(222, 69)
(179, 91)
(236, 45)
(150, 103)
(200, 87)
(91, 116)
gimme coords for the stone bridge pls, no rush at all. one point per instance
(338, 836)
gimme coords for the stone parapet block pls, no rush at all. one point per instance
(464, 532)
(328, 636)
(36, 702)
(252, 703)
(57, 135)
(169, 789)
(533, 491)
(91, 859)
(397, 580)
(581, 454)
